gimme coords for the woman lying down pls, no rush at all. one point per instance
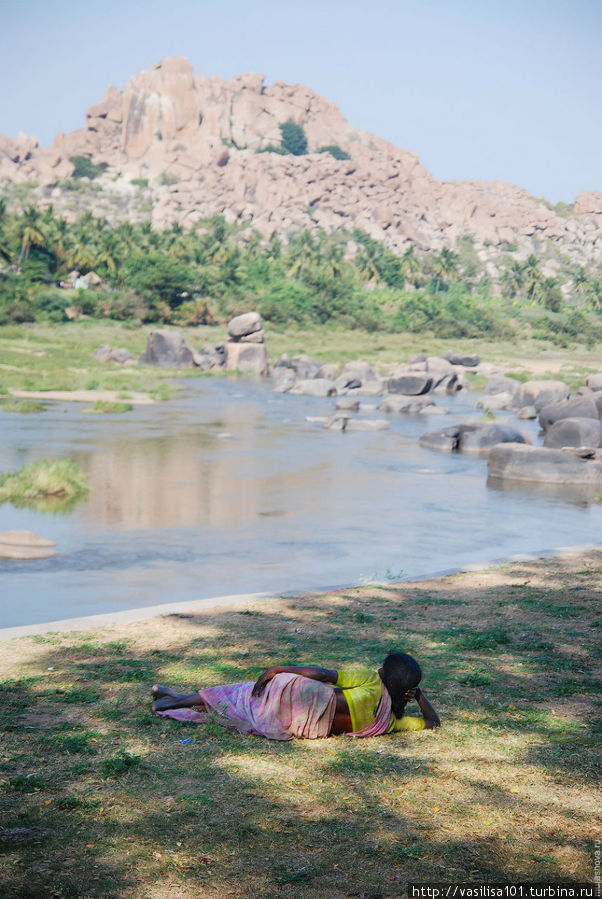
(289, 701)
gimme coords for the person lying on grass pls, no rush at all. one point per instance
(289, 701)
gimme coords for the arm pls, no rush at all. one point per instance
(431, 718)
(325, 675)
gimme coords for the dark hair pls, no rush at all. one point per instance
(401, 672)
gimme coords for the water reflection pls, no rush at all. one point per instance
(228, 490)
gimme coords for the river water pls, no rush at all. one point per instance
(228, 489)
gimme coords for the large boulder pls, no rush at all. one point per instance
(574, 432)
(210, 357)
(398, 405)
(495, 402)
(251, 358)
(462, 359)
(502, 384)
(314, 387)
(542, 393)
(594, 382)
(409, 384)
(577, 407)
(471, 438)
(121, 355)
(447, 440)
(360, 370)
(166, 349)
(517, 462)
(284, 379)
(244, 325)
(24, 546)
(303, 366)
(480, 438)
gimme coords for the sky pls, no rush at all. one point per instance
(493, 89)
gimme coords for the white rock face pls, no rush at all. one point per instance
(195, 139)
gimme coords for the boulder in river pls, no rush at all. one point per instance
(518, 462)
(576, 432)
(409, 384)
(25, 546)
(166, 349)
(576, 407)
(496, 401)
(398, 405)
(304, 367)
(348, 404)
(541, 393)
(471, 438)
(314, 387)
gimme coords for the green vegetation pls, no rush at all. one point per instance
(294, 140)
(25, 406)
(83, 167)
(102, 406)
(140, 182)
(60, 482)
(113, 801)
(335, 151)
(166, 179)
(206, 275)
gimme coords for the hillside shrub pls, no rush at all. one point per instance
(83, 167)
(335, 151)
(272, 148)
(16, 306)
(294, 140)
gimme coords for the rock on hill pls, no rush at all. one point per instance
(191, 146)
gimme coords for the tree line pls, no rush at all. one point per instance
(206, 274)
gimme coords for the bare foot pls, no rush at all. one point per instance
(158, 690)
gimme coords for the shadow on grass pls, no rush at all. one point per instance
(108, 798)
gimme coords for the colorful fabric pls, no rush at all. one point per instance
(289, 706)
(363, 690)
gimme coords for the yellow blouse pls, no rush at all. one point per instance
(362, 688)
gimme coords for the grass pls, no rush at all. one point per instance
(46, 485)
(104, 406)
(25, 406)
(61, 357)
(117, 805)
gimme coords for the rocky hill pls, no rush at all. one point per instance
(175, 147)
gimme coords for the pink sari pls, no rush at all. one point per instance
(289, 706)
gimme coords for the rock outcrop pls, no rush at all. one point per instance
(189, 147)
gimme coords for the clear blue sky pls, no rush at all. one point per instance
(508, 89)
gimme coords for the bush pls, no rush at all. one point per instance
(272, 148)
(166, 179)
(16, 306)
(158, 279)
(335, 151)
(140, 182)
(52, 305)
(83, 167)
(293, 138)
(60, 480)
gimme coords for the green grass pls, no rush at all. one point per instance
(104, 406)
(24, 406)
(46, 485)
(61, 357)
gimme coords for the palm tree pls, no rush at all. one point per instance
(30, 232)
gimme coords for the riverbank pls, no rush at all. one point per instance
(115, 802)
(36, 359)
